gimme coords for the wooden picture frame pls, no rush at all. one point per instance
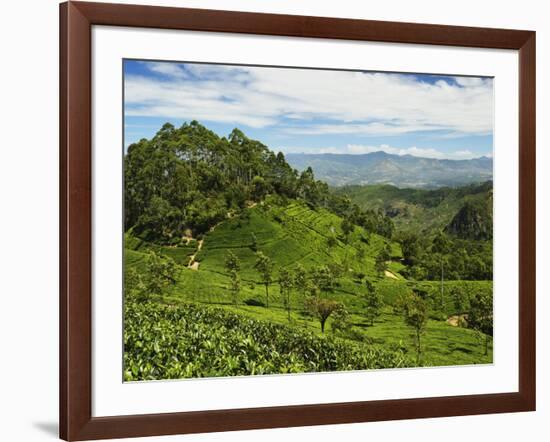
(76, 21)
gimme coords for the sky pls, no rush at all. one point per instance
(313, 110)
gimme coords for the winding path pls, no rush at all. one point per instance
(194, 265)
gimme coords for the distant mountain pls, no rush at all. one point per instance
(398, 170)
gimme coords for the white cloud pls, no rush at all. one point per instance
(415, 152)
(357, 149)
(170, 69)
(327, 102)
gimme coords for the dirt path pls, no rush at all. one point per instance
(390, 274)
(194, 265)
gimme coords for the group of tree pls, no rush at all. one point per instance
(445, 257)
(189, 178)
(474, 310)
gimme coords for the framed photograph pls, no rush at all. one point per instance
(274, 220)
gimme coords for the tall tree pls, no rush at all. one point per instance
(233, 266)
(322, 308)
(458, 302)
(286, 284)
(324, 278)
(373, 302)
(415, 314)
(441, 247)
(264, 266)
(480, 316)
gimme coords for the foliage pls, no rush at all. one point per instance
(373, 303)
(159, 276)
(480, 316)
(286, 284)
(474, 221)
(264, 265)
(322, 308)
(341, 321)
(169, 342)
(415, 313)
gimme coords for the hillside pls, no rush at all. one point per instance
(227, 223)
(421, 210)
(397, 170)
(295, 235)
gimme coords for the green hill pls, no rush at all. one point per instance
(419, 210)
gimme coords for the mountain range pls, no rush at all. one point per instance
(398, 170)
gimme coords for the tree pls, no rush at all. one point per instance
(286, 284)
(259, 188)
(264, 266)
(480, 316)
(411, 248)
(232, 262)
(415, 314)
(321, 308)
(441, 247)
(235, 287)
(373, 303)
(232, 265)
(347, 228)
(458, 303)
(341, 320)
(159, 276)
(324, 279)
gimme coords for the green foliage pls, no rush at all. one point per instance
(373, 303)
(420, 211)
(322, 308)
(158, 277)
(415, 313)
(480, 316)
(286, 284)
(169, 342)
(233, 266)
(341, 321)
(264, 266)
(474, 221)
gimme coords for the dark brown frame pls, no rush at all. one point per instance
(76, 421)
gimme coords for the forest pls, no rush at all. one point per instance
(238, 264)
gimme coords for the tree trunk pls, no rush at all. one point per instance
(267, 295)
(323, 320)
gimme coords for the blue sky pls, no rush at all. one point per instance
(315, 111)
